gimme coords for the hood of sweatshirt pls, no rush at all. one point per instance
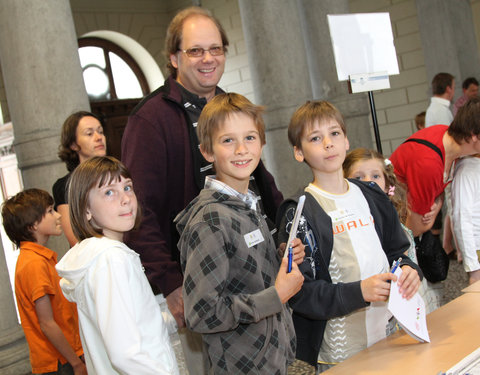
(206, 197)
(75, 264)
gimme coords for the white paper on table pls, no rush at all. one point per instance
(410, 314)
(468, 365)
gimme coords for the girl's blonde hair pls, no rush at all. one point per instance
(395, 189)
(94, 172)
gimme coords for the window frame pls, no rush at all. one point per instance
(108, 46)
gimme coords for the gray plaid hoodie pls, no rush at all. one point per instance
(228, 287)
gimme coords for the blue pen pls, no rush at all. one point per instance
(290, 259)
(396, 263)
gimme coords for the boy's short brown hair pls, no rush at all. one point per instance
(217, 111)
(420, 120)
(22, 211)
(305, 116)
(96, 171)
(466, 122)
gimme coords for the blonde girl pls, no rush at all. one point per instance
(369, 165)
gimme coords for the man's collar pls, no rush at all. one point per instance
(440, 100)
(188, 96)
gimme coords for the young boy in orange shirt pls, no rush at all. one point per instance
(49, 321)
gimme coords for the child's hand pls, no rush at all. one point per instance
(409, 282)
(80, 368)
(430, 216)
(298, 250)
(377, 287)
(288, 284)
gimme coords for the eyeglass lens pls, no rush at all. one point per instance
(197, 51)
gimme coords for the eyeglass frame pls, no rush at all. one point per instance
(185, 51)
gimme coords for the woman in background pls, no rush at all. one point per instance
(82, 137)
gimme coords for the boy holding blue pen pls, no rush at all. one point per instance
(352, 235)
(236, 284)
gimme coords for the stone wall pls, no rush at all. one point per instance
(409, 91)
(146, 22)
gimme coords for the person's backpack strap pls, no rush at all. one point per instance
(426, 143)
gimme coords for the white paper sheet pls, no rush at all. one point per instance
(410, 314)
(362, 43)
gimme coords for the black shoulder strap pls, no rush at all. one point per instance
(426, 143)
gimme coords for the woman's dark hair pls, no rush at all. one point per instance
(69, 137)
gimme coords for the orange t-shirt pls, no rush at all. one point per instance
(36, 276)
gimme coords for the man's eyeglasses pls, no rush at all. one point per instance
(199, 52)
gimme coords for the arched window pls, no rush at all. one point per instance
(109, 72)
(115, 85)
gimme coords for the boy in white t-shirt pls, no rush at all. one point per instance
(352, 235)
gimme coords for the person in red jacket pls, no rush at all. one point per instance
(425, 170)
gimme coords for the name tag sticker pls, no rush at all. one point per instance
(253, 238)
(340, 215)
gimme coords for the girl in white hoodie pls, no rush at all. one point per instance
(121, 325)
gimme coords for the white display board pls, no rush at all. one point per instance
(362, 43)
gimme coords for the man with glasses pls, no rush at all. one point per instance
(160, 148)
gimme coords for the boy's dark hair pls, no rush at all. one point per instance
(217, 111)
(469, 81)
(466, 122)
(22, 211)
(420, 120)
(175, 30)
(305, 116)
(440, 83)
(69, 137)
(96, 171)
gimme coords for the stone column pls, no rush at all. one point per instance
(43, 82)
(14, 358)
(279, 69)
(448, 39)
(323, 73)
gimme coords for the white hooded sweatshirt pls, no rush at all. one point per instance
(121, 325)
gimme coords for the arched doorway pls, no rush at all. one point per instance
(115, 81)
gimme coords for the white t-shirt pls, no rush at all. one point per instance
(438, 112)
(466, 210)
(356, 255)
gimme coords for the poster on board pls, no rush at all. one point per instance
(362, 44)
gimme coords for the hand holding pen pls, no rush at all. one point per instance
(288, 284)
(296, 253)
(408, 282)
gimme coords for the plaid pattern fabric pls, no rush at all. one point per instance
(228, 288)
